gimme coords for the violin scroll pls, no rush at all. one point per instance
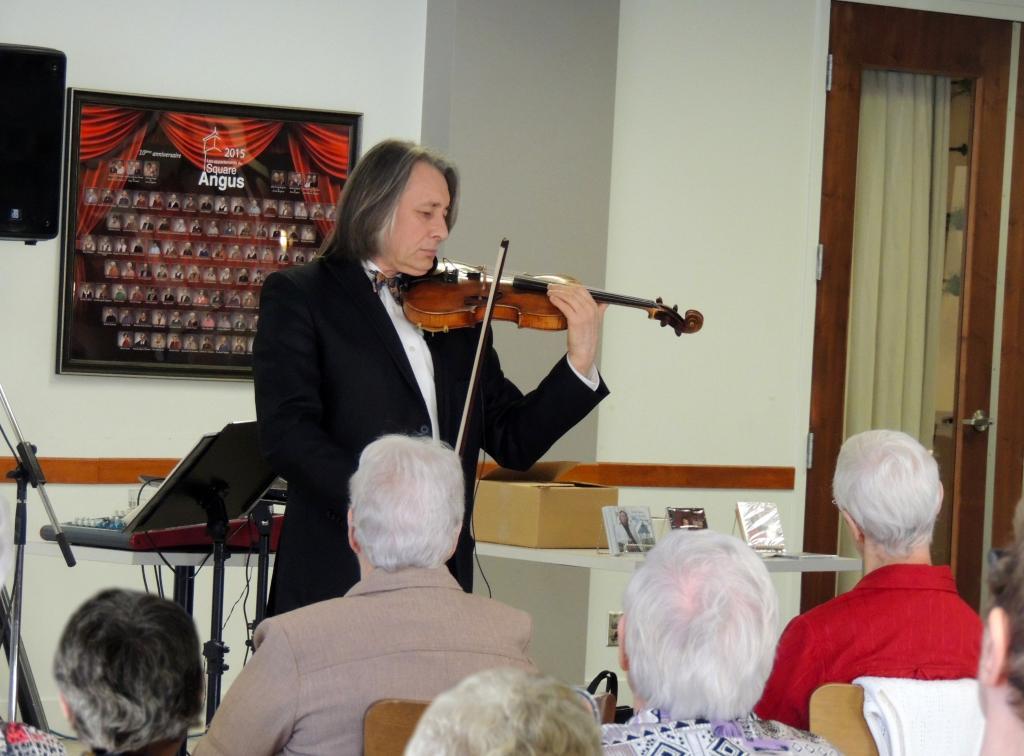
(690, 322)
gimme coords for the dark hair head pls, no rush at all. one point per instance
(128, 666)
(1006, 583)
(370, 198)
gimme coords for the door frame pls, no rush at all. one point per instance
(872, 36)
(1009, 428)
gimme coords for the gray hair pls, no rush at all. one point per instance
(128, 666)
(700, 625)
(889, 485)
(369, 200)
(504, 712)
(407, 501)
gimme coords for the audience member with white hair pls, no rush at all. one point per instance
(904, 618)
(501, 712)
(16, 738)
(696, 638)
(1001, 671)
(130, 674)
(405, 630)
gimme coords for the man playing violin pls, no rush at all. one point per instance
(337, 365)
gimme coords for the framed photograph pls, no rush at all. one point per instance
(687, 518)
(761, 526)
(629, 529)
(173, 215)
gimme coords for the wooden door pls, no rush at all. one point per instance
(1009, 429)
(869, 36)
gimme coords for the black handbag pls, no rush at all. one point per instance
(607, 701)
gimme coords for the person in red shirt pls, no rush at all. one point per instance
(1001, 672)
(904, 618)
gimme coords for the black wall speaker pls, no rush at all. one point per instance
(31, 126)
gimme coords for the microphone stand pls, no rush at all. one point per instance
(27, 472)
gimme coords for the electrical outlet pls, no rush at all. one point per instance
(613, 628)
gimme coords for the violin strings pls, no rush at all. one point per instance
(533, 284)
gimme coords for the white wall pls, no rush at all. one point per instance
(324, 54)
(521, 95)
(716, 171)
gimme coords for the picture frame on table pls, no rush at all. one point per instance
(761, 525)
(687, 518)
(629, 530)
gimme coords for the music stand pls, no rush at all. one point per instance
(221, 478)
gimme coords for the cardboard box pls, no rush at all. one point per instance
(539, 509)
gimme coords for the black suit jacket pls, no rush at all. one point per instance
(331, 376)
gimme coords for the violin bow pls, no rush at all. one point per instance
(474, 376)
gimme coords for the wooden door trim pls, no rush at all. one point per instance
(869, 36)
(1009, 427)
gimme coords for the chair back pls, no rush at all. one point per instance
(388, 725)
(837, 714)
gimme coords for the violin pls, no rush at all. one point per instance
(454, 295)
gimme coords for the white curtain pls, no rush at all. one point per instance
(899, 238)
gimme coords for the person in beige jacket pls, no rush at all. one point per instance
(405, 630)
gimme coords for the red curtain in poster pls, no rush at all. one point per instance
(197, 136)
(328, 146)
(104, 129)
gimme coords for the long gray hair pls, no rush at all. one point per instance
(369, 201)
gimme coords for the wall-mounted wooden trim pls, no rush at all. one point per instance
(626, 474)
(640, 475)
(97, 470)
(644, 475)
